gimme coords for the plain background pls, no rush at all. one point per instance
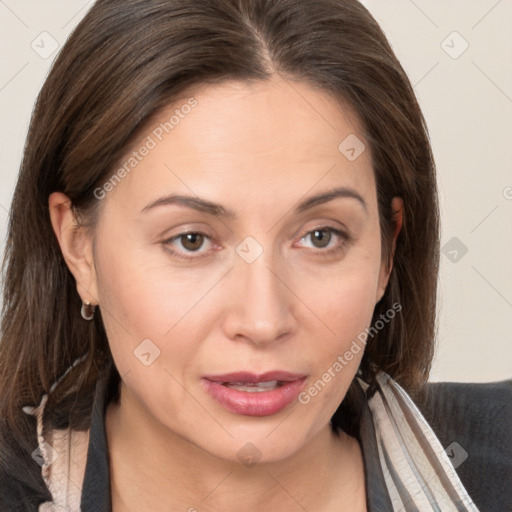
(458, 56)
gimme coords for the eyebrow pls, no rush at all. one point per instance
(217, 210)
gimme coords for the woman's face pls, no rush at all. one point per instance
(274, 274)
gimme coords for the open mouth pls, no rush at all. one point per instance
(253, 387)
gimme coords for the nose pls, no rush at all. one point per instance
(262, 307)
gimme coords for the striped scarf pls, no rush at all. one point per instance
(417, 470)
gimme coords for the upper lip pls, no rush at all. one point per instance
(252, 378)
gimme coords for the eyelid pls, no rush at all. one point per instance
(342, 231)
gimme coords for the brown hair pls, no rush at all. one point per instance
(124, 62)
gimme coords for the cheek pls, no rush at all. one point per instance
(141, 300)
(348, 317)
(352, 306)
(347, 311)
(345, 298)
(344, 301)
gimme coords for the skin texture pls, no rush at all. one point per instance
(258, 150)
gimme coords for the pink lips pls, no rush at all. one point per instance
(258, 403)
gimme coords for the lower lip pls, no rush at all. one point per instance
(256, 403)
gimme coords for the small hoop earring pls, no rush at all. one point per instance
(87, 310)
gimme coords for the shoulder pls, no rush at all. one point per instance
(469, 409)
(474, 423)
(21, 486)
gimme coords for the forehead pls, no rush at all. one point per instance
(288, 117)
(261, 136)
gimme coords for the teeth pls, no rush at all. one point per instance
(253, 387)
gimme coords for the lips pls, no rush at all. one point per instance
(250, 394)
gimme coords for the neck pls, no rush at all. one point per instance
(152, 468)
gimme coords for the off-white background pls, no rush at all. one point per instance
(467, 102)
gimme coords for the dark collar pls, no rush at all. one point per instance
(96, 484)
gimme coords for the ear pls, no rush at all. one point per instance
(76, 246)
(397, 207)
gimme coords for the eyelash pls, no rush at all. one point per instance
(345, 237)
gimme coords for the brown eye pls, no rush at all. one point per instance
(191, 241)
(321, 237)
(188, 246)
(326, 240)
